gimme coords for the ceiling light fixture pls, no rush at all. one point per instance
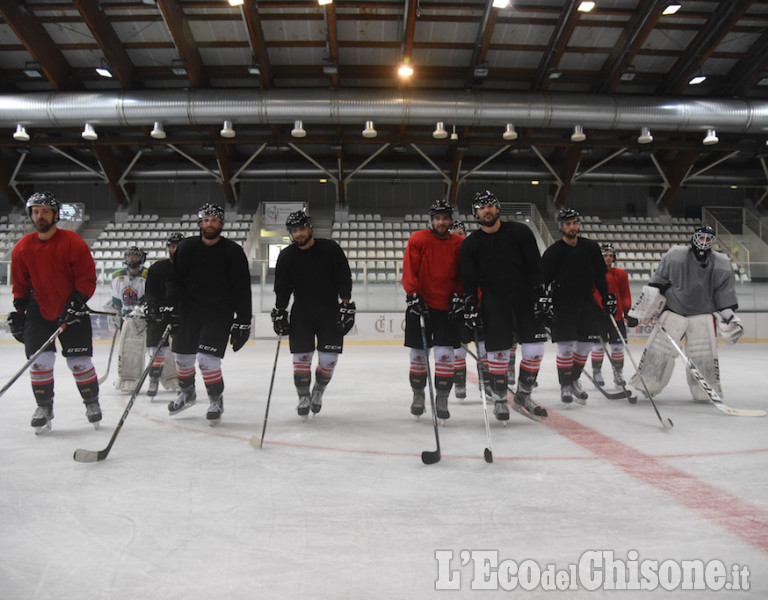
(440, 133)
(500, 3)
(158, 132)
(298, 130)
(509, 134)
(236, 2)
(629, 74)
(104, 70)
(20, 135)
(697, 79)
(405, 69)
(177, 67)
(454, 135)
(32, 70)
(711, 138)
(369, 131)
(671, 9)
(89, 133)
(554, 74)
(330, 66)
(254, 69)
(324, 2)
(480, 71)
(578, 134)
(586, 6)
(227, 131)
(645, 136)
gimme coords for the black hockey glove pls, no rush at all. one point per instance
(472, 313)
(416, 305)
(631, 321)
(346, 318)
(280, 321)
(456, 308)
(239, 334)
(543, 310)
(16, 322)
(75, 309)
(610, 304)
(170, 316)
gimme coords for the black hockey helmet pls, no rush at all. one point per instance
(608, 249)
(486, 198)
(174, 238)
(568, 214)
(459, 226)
(211, 209)
(701, 241)
(297, 219)
(441, 206)
(44, 199)
(134, 251)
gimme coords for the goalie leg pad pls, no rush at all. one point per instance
(701, 348)
(130, 357)
(658, 359)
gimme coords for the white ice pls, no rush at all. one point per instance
(341, 506)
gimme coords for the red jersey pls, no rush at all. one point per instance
(54, 269)
(431, 268)
(618, 283)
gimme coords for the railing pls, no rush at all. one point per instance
(737, 251)
(756, 225)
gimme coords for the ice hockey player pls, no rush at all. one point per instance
(128, 284)
(618, 285)
(465, 335)
(315, 271)
(158, 275)
(502, 260)
(432, 287)
(691, 283)
(209, 300)
(56, 264)
(573, 266)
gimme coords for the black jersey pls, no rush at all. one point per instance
(212, 280)
(501, 262)
(573, 271)
(155, 290)
(317, 277)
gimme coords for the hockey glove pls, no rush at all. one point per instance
(239, 334)
(456, 308)
(170, 317)
(75, 309)
(280, 321)
(543, 311)
(731, 327)
(416, 305)
(346, 319)
(649, 305)
(631, 321)
(610, 304)
(16, 322)
(472, 313)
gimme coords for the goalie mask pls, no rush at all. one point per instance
(44, 199)
(701, 242)
(134, 257)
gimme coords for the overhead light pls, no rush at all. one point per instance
(629, 74)
(236, 2)
(454, 135)
(20, 135)
(586, 6)
(369, 131)
(324, 2)
(535, 182)
(177, 67)
(509, 133)
(439, 133)
(405, 69)
(104, 70)
(158, 132)
(711, 138)
(227, 131)
(671, 9)
(578, 134)
(298, 130)
(480, 71)
(89, 133)
(645, 136)
(330, 67)
(555, 74)
(500, 3)
(32, 70)
(255, 69)
(696, 80)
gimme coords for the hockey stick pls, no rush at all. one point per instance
(32, 358)
(610, 395)
(665, 423)
(427, 457)
(91, 456)
(616, 375)
(257, 442)
(487, 453)
(103, 378)
(708, 389)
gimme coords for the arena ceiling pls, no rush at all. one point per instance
(543, 67)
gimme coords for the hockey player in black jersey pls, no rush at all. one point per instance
(502, 260)
(210, 301)
(572, 266)
(316, 273)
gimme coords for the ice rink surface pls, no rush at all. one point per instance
(341, 506)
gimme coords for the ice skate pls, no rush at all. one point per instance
(42, 418)
(417, 406)
(152, 388)
(526, 406)
(215, 410)
(316, 400)
(441, 406)
(460, 391)
(501, 410)
(186, 399)
(566, 394)
(597, 377)
(579, 395)
(303, 407)
(93, 413)
(618, 378)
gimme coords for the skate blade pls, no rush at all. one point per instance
(96, 425)
(304, 418)
(43, 429)
(183, 408)
(214, 422)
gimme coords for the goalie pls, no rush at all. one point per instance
(689, 286)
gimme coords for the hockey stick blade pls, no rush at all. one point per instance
(612, 395)
(89, 456)
(256, 442)
(488, 455)
(430, 458)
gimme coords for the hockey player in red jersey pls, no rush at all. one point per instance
(430, 281)
(53, 275)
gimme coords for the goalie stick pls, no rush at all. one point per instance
(488, 452)
(32, 358)
(91, 456)
(257, 442)
(103, 378)
(708, 389)
(427, 457)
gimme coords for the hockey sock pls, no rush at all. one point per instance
(302, 372)
(443, 368)
(185, 368)
(531, 362)
(41, 377)
(580, 356)
(498, 362)
(460, 366)
(617, 356)
(417, 374)
(326, 364)
(85, 377)
(565, 362)
(210, 369)
(598, 355)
